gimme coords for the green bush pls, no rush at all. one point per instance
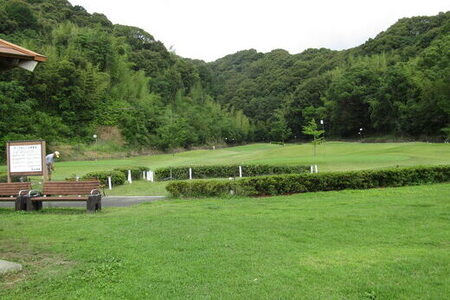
(201, 188)
(136, 172)
(4, 178)
(117, 177)
(202, 172)
(301, 183)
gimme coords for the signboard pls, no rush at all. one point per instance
(26, 158)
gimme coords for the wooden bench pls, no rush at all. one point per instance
(15, 191)
(88, 191)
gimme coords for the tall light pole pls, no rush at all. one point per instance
(96, 146)
(323, 128)
(360, 132)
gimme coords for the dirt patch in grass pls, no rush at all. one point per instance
(34, 262)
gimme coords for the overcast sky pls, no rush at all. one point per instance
(210, 29)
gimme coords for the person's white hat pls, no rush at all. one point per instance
(57, 154)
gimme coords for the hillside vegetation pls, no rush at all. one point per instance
(101, 75)
(394, 84)
(104, 77)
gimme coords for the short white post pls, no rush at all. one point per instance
(316, 170)
(214, 147)
(312, 169)
(77, 178)
(143, 174)
(151, 176)
(190, 173)
(129, 177)
(240, 171)
(109, 183)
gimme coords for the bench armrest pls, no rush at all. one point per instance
(96, 192)
(33, 193)
(23, 191)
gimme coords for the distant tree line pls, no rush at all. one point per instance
(395, 84)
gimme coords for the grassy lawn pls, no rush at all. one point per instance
(373, 244)
(331, 156)
(139, 188)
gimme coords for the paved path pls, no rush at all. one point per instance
(108, 201)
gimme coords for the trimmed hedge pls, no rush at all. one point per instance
(301, 183)
(4, 178)
(136, 172)
(201, 172)
(117, 177)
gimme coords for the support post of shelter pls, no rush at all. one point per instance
(7, 162)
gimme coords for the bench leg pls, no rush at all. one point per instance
(94, 203)
(21, 203)
(33, 205)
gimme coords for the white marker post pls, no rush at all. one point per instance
(150, 176)
(77, 178)
(240, 171)
(311, 169)
(316, 170)
(190, 173)
(109, 183)
(129, 177)
(143, 174)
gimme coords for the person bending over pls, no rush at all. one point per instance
(50, 160)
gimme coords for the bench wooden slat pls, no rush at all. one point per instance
(13, 188)
(8, 198)
(83, 198)
(70, 187)
(71, 183)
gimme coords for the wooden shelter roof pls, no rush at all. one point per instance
(10, 50)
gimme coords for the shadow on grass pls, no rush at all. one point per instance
(45, 211)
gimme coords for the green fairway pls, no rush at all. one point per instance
(374, 244)
(331, 156)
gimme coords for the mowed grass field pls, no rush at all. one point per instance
(391, 243)
(331, 156)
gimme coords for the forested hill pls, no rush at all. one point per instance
(102, 76)
(395, 84)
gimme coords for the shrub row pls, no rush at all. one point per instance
(4, 178)
(136, 172)
(118, 176)
(300, 183)
(201, 172)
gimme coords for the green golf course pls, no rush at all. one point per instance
(353, 244)
(331, 156)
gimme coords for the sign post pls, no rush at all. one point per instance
(26, 158)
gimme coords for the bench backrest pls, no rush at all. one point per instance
(13, 188)
(70, 187)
